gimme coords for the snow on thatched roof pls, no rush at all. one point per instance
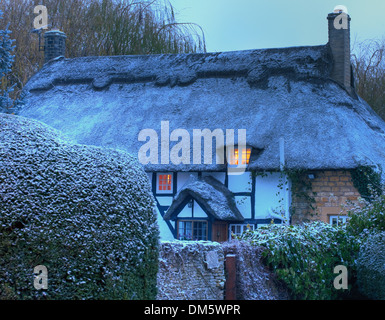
(211, 195)
(272, 93)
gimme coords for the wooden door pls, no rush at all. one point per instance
(220, 231)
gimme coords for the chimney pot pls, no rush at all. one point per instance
(340, 9)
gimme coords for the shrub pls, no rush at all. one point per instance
(6, 60)
(367, 223)
(367, 180)
(97, 28)
(368, 216)
(304, 256)
(86, 213)
(371, 267)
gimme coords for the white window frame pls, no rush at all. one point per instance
(339, 219)
(243, 227)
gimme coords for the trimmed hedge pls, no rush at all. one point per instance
(86, 213)
(304, 257)
(371, 267)
(367, 224)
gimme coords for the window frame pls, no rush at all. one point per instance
(192, 221)
(244, 227)
(171, 185)
(233, 158)
(340, 219)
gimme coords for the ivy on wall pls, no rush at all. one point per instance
(300, 184)
(301, 188)
(367, 181)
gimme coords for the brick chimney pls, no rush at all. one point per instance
(54, 44)
(339, 41)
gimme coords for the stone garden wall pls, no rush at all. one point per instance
(196, 270)
(191, 270)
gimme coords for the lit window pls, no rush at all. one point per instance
(234, 158)
(337, 220)
(192, 230)
(238, 229)
(165, 182)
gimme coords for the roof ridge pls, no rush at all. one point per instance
(184, 69)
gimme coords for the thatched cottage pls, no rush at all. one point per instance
(301, 118)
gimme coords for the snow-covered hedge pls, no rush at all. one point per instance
(368, 215)
(304, 256)
(6, 60)
(367, 223)
(371, 266)
(85, 213)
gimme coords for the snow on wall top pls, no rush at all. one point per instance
(272, 93)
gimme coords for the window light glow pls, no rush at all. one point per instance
(234, 158)
(165, 181)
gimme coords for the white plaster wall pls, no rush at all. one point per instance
(186, 212)
(198, 211)
(240, 183)
(267, 195)
(164, 230)
(184, 177)
(164, 201)
(244, 205)
(266, 190)
(220, 176)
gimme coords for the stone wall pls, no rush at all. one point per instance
(254, 281)
(191, 270)
(195, 270)
(333, 190)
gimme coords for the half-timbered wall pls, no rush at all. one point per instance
(255, 196)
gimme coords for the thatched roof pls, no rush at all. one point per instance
(210, 194)
(273, 93)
